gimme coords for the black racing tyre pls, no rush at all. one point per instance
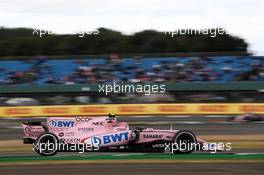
(46, 144)
(184, 142)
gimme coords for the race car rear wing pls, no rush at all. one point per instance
(32, 130)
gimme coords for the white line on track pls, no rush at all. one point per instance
(241, 154)
(192, 122)
(177, 116)
(129, 154)
(11, 118)
(15, 127)
(217, 116)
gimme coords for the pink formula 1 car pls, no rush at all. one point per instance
(105, 134)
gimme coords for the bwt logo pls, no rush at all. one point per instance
(54, 123)
(96, 141)
(111, 138)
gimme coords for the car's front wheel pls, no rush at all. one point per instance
(184, 142)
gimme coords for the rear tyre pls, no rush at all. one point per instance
(46, 144)
(184, 142)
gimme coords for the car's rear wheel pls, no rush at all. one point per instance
(46, 144)
(184, 142)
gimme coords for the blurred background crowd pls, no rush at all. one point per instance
(216, 69)
(136, 69)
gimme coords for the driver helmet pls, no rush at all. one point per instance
(111, 115)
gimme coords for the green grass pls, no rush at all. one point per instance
(134, 157)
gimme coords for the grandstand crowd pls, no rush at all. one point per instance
(137, 69)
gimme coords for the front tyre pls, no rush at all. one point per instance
(184, 142)
(46, 144)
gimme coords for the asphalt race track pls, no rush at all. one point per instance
(135, 164)
(247, 156)
(136, 168)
